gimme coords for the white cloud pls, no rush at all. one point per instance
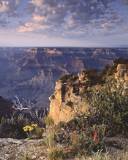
(73, 19)
(4, 6)
(31, 26)
(38, 18)
(37, 22)
(37, 3)
(9, 6)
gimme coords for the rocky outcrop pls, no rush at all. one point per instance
(122, 72)
(68, 99)
(121, 77)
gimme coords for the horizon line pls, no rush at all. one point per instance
(123, 47)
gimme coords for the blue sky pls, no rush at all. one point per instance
(84, 23)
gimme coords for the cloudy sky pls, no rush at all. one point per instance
(64, 23)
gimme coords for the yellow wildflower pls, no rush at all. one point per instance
(34, 125)
(28, 128)
(25, 129)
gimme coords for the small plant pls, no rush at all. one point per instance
(26, 157)
(50, 139)
(48, 121)
(33, 131)
(55, 154)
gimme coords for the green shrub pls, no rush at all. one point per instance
(12, 127)
(80, 136)
(89, 141)
(110, 107)
(50, 139)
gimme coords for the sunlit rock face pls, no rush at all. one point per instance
(31, 73)
(68, 99)
(121, 76)
(122, 72)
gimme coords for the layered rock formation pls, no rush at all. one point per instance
(30, 73)
(68, 99)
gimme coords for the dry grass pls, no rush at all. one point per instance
(106, 156)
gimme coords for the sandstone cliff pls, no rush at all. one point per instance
(68, 99)
(121, 77)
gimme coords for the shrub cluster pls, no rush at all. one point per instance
(20, 125)
(108, 115)
(80, 136)
(109, 106)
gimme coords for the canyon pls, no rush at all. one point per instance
(30, 73)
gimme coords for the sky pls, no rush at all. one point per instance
(74, 23)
